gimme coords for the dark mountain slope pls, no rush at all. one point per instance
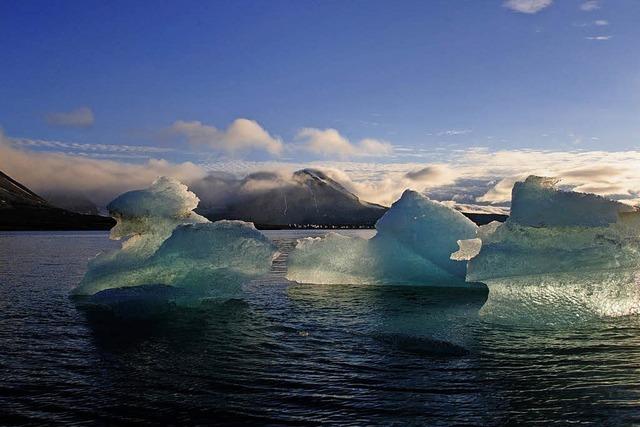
(309, 197)
(22, 209)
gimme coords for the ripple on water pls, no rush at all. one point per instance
(296, 354)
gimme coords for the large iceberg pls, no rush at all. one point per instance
(170, 245)
(413, 244)
(557, 248)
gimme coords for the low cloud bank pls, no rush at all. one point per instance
(470, 177)
(98, 180)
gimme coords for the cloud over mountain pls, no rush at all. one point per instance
(473, 175)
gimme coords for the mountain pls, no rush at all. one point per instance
(308, 197)
(22, 209)
(71, 201)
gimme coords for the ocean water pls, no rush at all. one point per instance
(292, 354)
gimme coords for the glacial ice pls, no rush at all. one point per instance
(550, 231)
(413, 244)
(170, 245)
(558, 249)
(536, 202)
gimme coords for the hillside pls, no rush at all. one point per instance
(22, 209)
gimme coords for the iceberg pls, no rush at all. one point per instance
(559, 248)
(413, 244)
(167, 244)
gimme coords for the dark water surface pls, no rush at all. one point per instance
(295, 354)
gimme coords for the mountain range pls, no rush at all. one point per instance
(307, 198)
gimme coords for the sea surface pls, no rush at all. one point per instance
(296, 354)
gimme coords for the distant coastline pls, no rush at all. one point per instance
(478, 218)
(78, 222)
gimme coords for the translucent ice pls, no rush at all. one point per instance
(413, 244)
(559, 248)
(168, 244)
(537, 203)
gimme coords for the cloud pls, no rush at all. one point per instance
(100, 180)
(451, 132)
(601, 38)
(387, 188)
(432, 173)
(79, 118)
(329, 142)
(589, 6)
(596, 172)
(609, 174)
(241, 135)
(596, 23)
(527, 6)
(91, 149)
(478, 175)
(501, 192)
(611, 190)
(466, 176)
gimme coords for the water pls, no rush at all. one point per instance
(295, 354)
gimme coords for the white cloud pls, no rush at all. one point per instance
(596, 23)
(501, 192)
(527, 6)
(79, 118)
(99, 179)
(480, 175)
(600, 38)
(589, 6)
(387, 187)
(470, 175)
(606, 173)
(436, 173)
(451, 132)
(329, 142)
(241, 135)
(74, 147)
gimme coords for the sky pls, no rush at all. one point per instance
(458, 98)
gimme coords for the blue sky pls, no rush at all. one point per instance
(412, 78)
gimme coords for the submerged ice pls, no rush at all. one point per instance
(412, 245)
(170, 245)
